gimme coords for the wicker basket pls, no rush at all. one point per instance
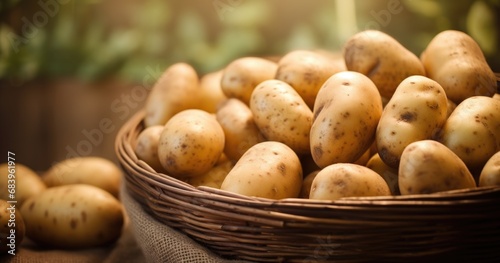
(460, 225)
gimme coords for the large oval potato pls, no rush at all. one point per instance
(73, 216)
(281, 114)
(347, 180)
(473, 130)
(241, 76)
(416, 111)
(346, 113)
(146, 146)
(90, 170)
(490, 174)
(382, 58)
(428, 166)
(191, 143)
(240, 130)
(175, 91)
(269, 169)
(12, 228)
(456, 61)
(25, 182)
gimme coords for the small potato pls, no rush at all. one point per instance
(269, 169)
(146, 147)
(282, 115)
(27, 183)
(306, 71)
(346, 113)
(451, 107)
(90, 170)
(214, 177)
(73, 216)
(177, 89)
(242, 75)
(306, 184)
(12, 228)
(382, 58)
(240, 130)
(211, 95)
(456, 61)
(347, 180)
(428, 166)
(191, 143)
(490, 174)
(416, 111)
(473, 130)
(389, 174)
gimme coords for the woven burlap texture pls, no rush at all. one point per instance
(163, 244)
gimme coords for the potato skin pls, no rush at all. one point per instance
(346, 113)
(241, 76)
(455, 60)
(73, 216)
(416, 111)
(191, 143)
(146, 147)
(240, 130)
(214, 177)
(211, 95)
(269, 169)
(473, 130)
(389, 174)
(382, 58)
(490, 174)
(428, 166)
(28, 183)
(305, 190)
(7, 226)
(282, 115)
(347, 180)
(176, 90)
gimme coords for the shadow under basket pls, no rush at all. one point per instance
(461, 224)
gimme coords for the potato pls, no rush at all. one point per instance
(306, 71)
(214, 177)
(191, 143)
(496, 96)
(211, 95)
(240, 130)
(346, 113)
(146, 146)
(455, 60)
(364, 158)
(382, 58)
(177, 89)
(305, 190)
(268, 169)
(428, 166)
(416, 111)
(473, 130)
(12, 228)
(282, 115)
(389, 174)
(27, 182)
(490, 174)
(347, 180)
(451, 107)
(73, 216)
(90, 170)
(242, 75)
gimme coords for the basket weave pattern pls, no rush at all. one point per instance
(460, 224)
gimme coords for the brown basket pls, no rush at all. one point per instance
(460, 225)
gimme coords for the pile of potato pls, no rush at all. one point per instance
(373, 120)
(75, 204)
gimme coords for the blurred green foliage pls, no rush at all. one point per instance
(92, 39)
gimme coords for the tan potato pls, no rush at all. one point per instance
(242, 75)
(490, 174)
(428, 166)
(346, 113)
(305, 190)
(73, 216)
(190, 144)
(456, 61)
(146, 147)
(282, 115)
(177, 89)
(90, 170)
(451, 107)
(240, 130)
(214, 177)
(389, 174)
(473, 130)
(347, 180)
(211, 95)
(12, 228)
(269, 169)
(19, 180)
(382, 58)
(364, 158)
(306, 71)
(496, 96)
(416, 111)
